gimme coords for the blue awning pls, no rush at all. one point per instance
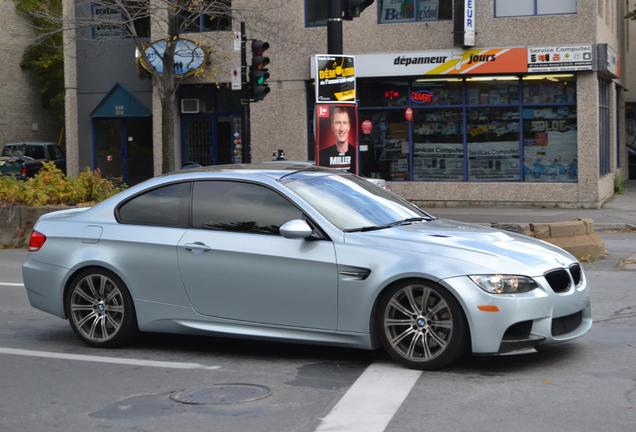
(119, 102)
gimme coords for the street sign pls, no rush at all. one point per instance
(237, 41)
(236, 79)
(335, 79)
(469, 23)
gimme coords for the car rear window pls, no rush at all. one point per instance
(165, 206)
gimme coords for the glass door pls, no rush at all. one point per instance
(197, 140)
(138, 161)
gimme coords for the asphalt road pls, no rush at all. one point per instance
(50, 381)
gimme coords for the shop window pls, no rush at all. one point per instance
(215, 16)
(512, 8)
(386, 148)
(549, 143)
(549, 89)
(604, 127)
(438, 145)
(399, 11)
(436, 92)
(492, 91)
(493, 144)
(383, 93)
(486, 128)
(315, 13)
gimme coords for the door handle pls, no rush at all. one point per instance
(197, 247)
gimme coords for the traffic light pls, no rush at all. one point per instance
(353, 8)
(259, 73)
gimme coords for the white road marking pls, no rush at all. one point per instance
(372, 401)
(102, 359)
(11, 284)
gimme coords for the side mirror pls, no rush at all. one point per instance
(295, 229)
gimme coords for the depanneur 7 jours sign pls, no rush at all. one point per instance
(475, 61)
(335, 79)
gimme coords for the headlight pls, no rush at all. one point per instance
(504, 284)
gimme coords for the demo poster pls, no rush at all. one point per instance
(335, 79)
(337, 136)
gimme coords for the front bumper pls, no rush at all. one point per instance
(539, 317)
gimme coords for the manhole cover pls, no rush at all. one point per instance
(221, 394)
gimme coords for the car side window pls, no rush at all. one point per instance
(165, 206)
(242, 207)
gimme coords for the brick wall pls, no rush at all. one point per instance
(20, 108)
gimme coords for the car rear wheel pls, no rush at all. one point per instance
(100, 309)
(422, 325)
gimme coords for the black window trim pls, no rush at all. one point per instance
(322, 235)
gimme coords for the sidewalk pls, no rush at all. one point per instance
(618, 213)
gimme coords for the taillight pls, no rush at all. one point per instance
(23, 173)
(36, 241)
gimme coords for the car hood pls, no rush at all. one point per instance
(482, 249)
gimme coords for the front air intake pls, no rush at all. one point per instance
(575, 271)
(559, 280)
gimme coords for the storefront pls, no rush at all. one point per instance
(483, 115)
(210, 124)
(485, 128)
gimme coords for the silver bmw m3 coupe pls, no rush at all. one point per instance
(304, 254)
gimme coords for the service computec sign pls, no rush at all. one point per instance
(335, 79)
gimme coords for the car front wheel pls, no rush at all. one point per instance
(100, 309)
(422, 325)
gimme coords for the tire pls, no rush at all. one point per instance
(419, 337)
(100, 309)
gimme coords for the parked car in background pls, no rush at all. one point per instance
(25, 159)
(300, 253)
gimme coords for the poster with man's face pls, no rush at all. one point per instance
(337, 137)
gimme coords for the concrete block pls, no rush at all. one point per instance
(568, 229)
(514, 227)
(540, 231)
(589, 247)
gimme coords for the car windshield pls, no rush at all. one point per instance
(352, 203)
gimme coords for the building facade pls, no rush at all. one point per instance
(532, 114)
(630, 95)
(22, 117)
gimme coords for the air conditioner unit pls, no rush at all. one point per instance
(189, 106)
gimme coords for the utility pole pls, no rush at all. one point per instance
(334, 27)
(245, 101)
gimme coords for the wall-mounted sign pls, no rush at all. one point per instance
(366, 127)
(560, 58)
(109, 22)
(476, 61)
(443, 62)
(188, 57)
(408, 114)
(421, 96)
(469, 22)
(335, 79)
(608, 61)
